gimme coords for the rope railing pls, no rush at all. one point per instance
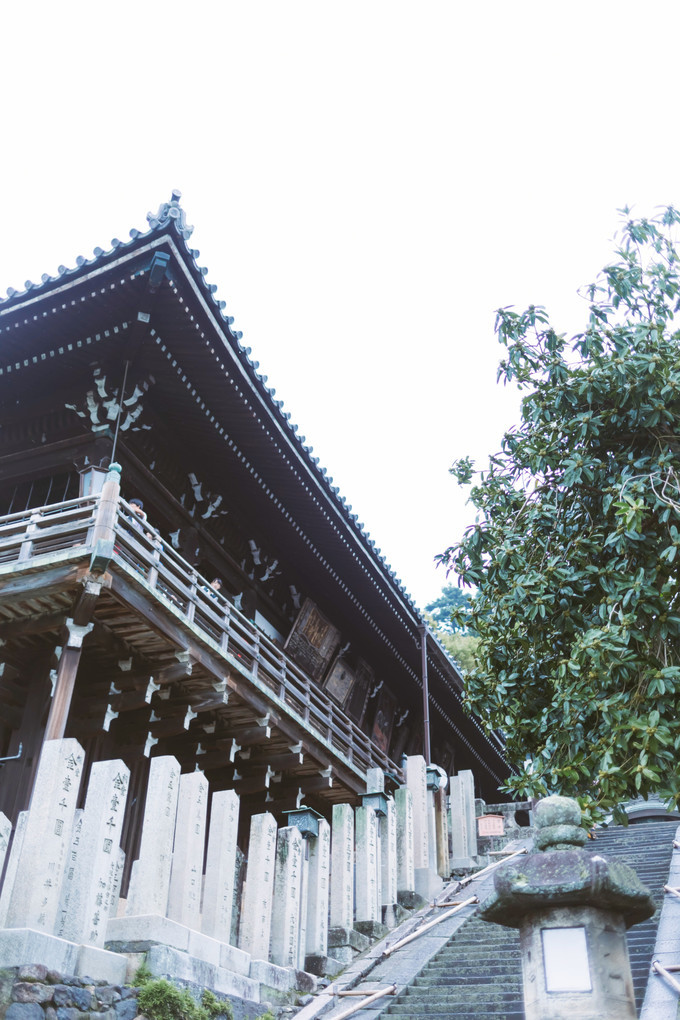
(67, 530)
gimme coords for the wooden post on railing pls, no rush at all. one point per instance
(31, 530)
(152, 576)
(104, 534)
(191, 608)
(256, 653)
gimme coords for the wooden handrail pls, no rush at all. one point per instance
(140, 549)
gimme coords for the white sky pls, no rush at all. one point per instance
(368, 180)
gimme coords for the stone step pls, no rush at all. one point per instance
(473, 1014)
(484, 997)
(422, 984)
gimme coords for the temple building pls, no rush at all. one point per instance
(121, 380)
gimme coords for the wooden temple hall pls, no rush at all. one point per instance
(122, 380)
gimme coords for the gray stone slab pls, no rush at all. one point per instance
(184, 896)
(163, 961)
(256, 915)
(5, 833)
(318, 894)
(416, 780)
(220, 868)
(285, 947)
(150, 881)
(91, 877)
(137, 934)
(403, 801)
(36, 892)
(282, 979)
(342, 867)
(366, 865)
(12, 864)
(22, 946)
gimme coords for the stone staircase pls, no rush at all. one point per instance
(477, 974)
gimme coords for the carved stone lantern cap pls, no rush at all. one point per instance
(562, 874)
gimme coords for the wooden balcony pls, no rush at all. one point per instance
(149, 602)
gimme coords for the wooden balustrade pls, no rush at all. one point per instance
(67, 529)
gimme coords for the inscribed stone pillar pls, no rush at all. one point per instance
(12, 864)
(184, 899)
(304, 902)
(256, 916)
(150, 880)
(388, 862)
(287, 888)
(37, 887)
(114, 891)
(416, 780)
(342, 867)
(403, 802)
(431, 832)
(367, 890)
(463, 821)
(441, 833)
(69, 871)
(92, 874)
(318, 891)
(220, 868)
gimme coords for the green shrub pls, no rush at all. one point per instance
(160, 1000)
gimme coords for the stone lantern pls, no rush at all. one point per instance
(572, 909)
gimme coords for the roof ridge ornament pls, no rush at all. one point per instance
(168, 211)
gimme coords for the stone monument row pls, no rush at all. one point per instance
(314, 893)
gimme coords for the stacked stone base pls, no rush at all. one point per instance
(42, 993)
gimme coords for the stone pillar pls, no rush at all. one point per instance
(186, 878)
(256, 915)
(12, 865)
(427, 882)
(367, 891)
(342, 867)
(91, 873)
(318, 895)
(285, 946)
(416, 780)
(406, 882)
(441, 833)
(114, 894)
(34, 901)
(220, 869)
(388, 864)
(463, 820)
(5, 833)
(572, 909)
(150, 880)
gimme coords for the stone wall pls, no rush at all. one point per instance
(36, 993)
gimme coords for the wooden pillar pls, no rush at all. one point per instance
(66, 678)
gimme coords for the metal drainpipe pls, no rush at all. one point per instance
(426, 694)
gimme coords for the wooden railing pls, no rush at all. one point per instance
(36, 538)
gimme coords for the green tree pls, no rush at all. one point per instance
(575, 556)
(447, 611)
